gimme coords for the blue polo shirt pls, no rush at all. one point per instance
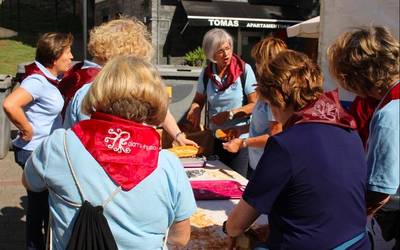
(311, 181)
(259, 125)
(138, 218)
(43, 113)
(383, 152)
(228, 99)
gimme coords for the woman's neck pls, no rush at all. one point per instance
(285, 114)
(53, 71)
(221, 69)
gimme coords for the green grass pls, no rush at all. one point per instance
(13, 53)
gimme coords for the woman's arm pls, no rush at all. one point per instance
(241, 218)
(173, 130)
(13, 107)
(244, 111)
(260, 141)
(194, 113)
(179, 233)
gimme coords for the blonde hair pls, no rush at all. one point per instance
(266, 50)
(365, 60)
(130, 88)
(213, 39)
(120, 37)
(51, 46)
(290, 80)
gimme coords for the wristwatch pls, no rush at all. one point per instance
(244, 143)
(231, 114)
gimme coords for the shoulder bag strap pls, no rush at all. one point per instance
(243, 82)
(72, 169)
(206, 79)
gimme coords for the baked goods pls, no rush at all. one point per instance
(184, 151)
(225, 135)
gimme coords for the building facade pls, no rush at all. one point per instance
(178, 26)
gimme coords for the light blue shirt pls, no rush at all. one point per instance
(137, 218)
(89, 64)
(383, 150)
(43, 113)
(73, 112)
(228, 99)
(259, 125)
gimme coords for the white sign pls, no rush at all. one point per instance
(223, 22)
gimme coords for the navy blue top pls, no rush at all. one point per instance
(311, 181)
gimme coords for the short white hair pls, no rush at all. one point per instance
(213, 39)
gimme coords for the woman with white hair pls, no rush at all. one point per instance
(227, 85)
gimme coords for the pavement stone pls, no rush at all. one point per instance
(13, 202)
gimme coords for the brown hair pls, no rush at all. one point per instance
(117, 37)
(291, 79)
(51, 46)
(365, 60)
(130, 88)
(265, 50)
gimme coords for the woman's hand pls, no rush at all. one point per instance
(182, 140)
(220, 118)
(193, 115)
(26, 133)
(233, 146)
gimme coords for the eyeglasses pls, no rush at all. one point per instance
(224, 50)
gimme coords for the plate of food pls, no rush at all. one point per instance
(184, 151)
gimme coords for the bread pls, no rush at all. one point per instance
(228, 135)
(219, 133)
(184, 151)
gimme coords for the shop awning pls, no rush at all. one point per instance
(239, 14)
(308, 29)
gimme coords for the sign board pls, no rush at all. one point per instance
(231, 22)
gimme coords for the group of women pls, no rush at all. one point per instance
(306, 164)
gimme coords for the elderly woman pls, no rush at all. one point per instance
(366, 62)
(122, 36)
(310, 181)
(35, 108)
(117, 147)
(262, 122)
(227, 85)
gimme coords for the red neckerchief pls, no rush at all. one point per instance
(362, 109)
(126, 150)
(235, 69)
(393, 94)
(326, 109)
(74, 79)
(32, 68)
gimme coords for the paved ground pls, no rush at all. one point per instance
(13, 202)
(13, 206)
